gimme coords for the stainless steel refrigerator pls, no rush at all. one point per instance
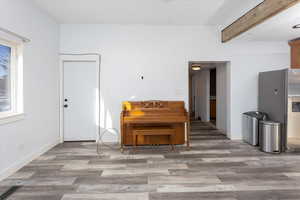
(279, 97)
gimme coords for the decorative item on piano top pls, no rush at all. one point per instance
(154, 104)
(148, 118)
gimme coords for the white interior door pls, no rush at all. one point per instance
(80, 93)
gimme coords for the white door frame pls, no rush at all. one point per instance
(75, 58)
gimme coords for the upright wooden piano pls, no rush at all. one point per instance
(153, 115)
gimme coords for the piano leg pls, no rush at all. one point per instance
(122, 146)
(172, 139)
(134, 141)
(122, 132)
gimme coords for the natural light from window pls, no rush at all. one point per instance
(11, 81)
(5, 85)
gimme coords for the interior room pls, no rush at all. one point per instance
(149, 100)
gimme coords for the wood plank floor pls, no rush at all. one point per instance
(215, 168)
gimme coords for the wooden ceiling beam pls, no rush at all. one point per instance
(262, 12)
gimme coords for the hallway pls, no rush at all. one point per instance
(205, 131)
(215, 168)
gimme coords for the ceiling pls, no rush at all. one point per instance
(173, 12)
(150, 12)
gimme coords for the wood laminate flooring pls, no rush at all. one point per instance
(215, 168)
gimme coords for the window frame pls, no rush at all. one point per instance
(16, 83)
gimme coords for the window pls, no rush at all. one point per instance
(10, 80)
(5, 84)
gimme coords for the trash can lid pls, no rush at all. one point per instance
(270, 123)
(256, 114)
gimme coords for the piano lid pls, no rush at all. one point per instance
(153, 106)
(154, 111)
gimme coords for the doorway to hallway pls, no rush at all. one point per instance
(209, 98)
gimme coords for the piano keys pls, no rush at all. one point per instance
(150, 116)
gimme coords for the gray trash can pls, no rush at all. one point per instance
(270, 136)
(251, 126)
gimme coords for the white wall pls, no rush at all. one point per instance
(202, 95)
(23, 140)
(161, 54)
(222, 97)
(244, 84)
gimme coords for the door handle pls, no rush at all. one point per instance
(66, 106)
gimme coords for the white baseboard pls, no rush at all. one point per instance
(19, 164)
